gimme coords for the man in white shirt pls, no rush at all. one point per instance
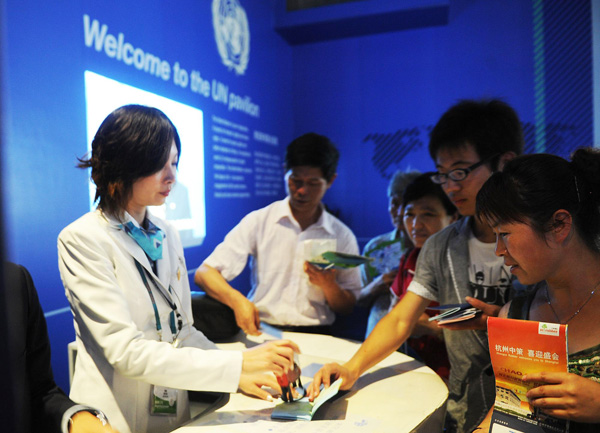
(287, 291)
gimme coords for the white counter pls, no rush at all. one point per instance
(397, 395)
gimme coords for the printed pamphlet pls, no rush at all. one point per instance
(517, 348)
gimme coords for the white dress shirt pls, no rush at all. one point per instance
(278, 248)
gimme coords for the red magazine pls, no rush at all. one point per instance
(519, 347)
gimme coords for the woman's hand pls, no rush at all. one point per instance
(252, 384)
(566, 395)
(86, 422)
(388, 278)
(275, 356)
(325, 375)
(379, 286)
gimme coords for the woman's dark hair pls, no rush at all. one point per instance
(423, 186)
(532, 187)
(133, 142)
(313, 150)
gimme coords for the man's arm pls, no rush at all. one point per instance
(391, 331)
(339, 300)
(213, 283)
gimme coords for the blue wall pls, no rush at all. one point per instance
(46, 119)
(378, 96)
(375, 93)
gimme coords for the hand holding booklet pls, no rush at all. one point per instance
(304, 409)
(452, 313)
(517, 348)
(323, 253)
(337, 260)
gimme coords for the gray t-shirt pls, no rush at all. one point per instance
(442, 275)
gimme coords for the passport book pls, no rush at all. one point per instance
(304, 410)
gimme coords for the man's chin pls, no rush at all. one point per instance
(298, 204)
(302, 205)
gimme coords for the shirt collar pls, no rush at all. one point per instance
(325, 221)
(115, 223)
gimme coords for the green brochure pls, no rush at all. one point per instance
(333, 259)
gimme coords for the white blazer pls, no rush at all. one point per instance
(119, 355)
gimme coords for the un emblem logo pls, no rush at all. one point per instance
(231, 34)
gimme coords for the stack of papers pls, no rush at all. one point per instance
(454, 313)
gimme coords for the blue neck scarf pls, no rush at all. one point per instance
(150, 240)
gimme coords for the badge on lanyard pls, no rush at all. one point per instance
(164, 401)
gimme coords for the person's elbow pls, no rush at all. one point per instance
(345, 305)
(200, 275)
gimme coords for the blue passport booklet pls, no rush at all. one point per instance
(304, 410)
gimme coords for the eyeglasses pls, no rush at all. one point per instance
(458, 174)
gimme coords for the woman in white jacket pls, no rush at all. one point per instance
(126, 280)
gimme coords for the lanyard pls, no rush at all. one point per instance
(174, 329)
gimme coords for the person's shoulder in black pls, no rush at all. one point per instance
(31, 345)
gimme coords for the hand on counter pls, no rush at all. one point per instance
(275, 357)
(328, 374)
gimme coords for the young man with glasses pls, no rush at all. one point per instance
(287, 291)
(456, 265)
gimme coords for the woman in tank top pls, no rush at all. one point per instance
(545, 213)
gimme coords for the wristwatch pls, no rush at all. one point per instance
(100, 415)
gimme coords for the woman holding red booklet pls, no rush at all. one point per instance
(546, 216)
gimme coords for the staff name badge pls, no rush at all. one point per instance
(164, 401)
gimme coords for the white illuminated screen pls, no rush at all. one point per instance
(185, 206)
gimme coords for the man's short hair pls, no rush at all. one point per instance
(313, 150)
(491, 126)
